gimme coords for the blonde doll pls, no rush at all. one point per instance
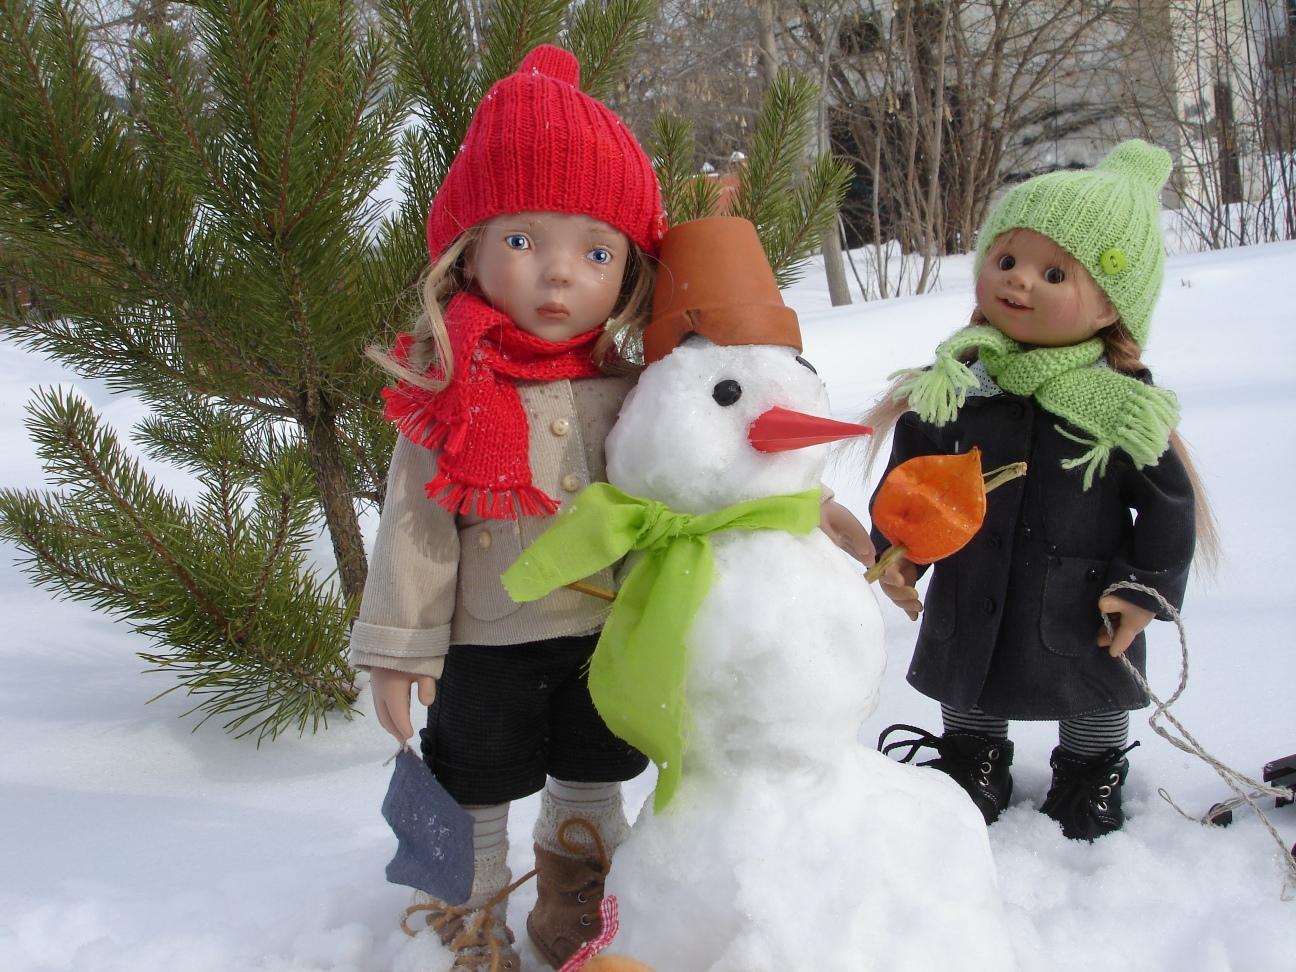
(541, 237)
(1068, 270)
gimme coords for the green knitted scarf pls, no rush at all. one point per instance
(636, 675)
(1115, 410)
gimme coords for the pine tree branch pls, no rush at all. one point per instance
(247, 669)
(22, 29)
(369, 83)
(180, 111)
(685, 195)
(782, 129)
(432, 36)
(72, 430)
(285, 154)
(515, 27)
(604, 36)
(277, 548)
(22, 514)
(243, 56)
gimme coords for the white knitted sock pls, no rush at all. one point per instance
(597, 803)
(491, 874)
(490, 856)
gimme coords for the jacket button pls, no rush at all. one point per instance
(571, 482)
(994, 541)
(988, 605)
(1016, 411)
(484, 539)
(560, 426)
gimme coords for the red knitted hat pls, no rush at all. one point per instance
(538, 143)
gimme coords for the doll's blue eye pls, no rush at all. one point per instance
(517, 241)
(1007, 261)
(1055, 275)
(600, 255)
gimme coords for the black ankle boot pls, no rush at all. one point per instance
(1085, 796)
(975, 762)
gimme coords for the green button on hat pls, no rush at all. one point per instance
(1107, 217)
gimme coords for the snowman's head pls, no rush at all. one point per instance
(684, 434)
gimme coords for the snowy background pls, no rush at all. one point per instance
(132, 843)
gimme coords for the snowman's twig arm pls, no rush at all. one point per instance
(592, 590)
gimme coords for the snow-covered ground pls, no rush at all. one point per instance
(131, 843)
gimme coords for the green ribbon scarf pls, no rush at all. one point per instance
(1117, 410)
(637, 671)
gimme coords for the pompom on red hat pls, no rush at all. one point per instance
(538, 143)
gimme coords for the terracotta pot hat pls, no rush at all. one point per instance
(713, 279)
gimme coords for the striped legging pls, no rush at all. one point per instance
(1086, 736)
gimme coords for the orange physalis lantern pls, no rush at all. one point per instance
(931, 506)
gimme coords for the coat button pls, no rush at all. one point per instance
(994, 541)
(571, 482)
(560, 426)
(484, 539)
(1016, 412)
(988, 605)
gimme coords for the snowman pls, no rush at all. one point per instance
(742, 654)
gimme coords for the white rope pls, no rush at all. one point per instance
(1247, 789)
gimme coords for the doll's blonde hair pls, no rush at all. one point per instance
(619, 349)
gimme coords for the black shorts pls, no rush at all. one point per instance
(507, 716)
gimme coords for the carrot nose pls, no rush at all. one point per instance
(781, 430)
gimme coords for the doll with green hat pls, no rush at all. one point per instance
(1049, 371)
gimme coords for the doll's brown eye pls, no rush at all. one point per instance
(1054, 275)
(1007, 262)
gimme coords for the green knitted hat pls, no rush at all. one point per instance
(1107, 217)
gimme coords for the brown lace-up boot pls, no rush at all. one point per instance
(569, 890)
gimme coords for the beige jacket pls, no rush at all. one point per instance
(434, 577)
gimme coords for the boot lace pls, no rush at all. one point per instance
(600, 863)
(474, 933)
(922, 739)
(1091, 784)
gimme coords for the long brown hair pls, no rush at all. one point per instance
(1124, 355)
(619, 349)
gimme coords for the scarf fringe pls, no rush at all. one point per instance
(1114, 410)
(937, 393)
(409, 408)
(489, 504)
(477, 421)
(1149, 418)
(1094, 460)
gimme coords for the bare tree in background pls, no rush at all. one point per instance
(116, 25)
(1223, 85)
(934, 102)
(704, 64)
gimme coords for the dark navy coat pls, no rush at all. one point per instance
(1010, 621)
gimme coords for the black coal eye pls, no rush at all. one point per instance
(726, 392)
(803, 361)
(1055, 275)
(1007, 262)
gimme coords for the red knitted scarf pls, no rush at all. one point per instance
(477, 421)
